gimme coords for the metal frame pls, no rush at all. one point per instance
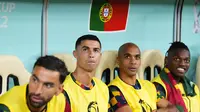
(177, 20)
(44, 32)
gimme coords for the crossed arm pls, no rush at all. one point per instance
(163, 105)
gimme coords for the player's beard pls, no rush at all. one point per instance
(37, 104)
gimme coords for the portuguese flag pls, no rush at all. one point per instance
(108, 15)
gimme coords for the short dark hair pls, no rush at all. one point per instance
(87, 37)
(53, 63)
(177, 45)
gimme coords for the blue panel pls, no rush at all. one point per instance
(150, 25)
(20, 30)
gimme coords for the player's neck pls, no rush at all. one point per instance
(130, 80)
(83, 76)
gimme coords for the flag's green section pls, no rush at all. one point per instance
(95, 22)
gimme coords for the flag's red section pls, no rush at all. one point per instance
(118, 20)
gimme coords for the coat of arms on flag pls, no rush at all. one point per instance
(108, 15)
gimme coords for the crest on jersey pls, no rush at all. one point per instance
(93, 107)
